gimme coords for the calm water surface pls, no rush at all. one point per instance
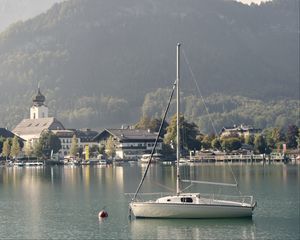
(63, 202)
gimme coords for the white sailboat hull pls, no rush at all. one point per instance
(178, 210)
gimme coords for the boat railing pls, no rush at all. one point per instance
(141, 197)
(243, 199)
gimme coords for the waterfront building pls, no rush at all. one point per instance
(239, 131)
(85, 137)
(130, 144)
(30, 129)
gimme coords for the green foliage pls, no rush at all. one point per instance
(231, 143)
(92, 83)
(6, 148)
(260, 144)
(216, 144)
(225, 110)
(101, 148)
(291, 136)
(249, 139)
(189, 132)
(2, 139)
(48, 141)
(15, 148)
(110, 147)
(28, 150)
(74, 146)
(153, 124)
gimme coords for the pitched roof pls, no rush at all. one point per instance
(64, 133)
(34, 126)
(86, 135)
(129, 134)
(6, 133)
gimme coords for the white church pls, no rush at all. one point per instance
(31, 128)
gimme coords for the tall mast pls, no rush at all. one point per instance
(178, 119)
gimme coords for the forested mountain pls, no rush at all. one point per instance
(96, 60)
(18, 10)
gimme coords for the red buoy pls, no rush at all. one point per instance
(103, 214)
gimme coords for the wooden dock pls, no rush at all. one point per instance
(251, 158)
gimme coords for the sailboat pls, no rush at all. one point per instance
(190, 205)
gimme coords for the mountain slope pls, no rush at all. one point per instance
(97, 59)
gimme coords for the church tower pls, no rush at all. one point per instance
(38, 109)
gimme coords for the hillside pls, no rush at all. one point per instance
(96, 60)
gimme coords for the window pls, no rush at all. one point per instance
(188, 199)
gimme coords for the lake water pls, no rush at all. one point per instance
(62, 202)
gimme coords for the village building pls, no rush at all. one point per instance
(31, 129)
(130, 144)
(85, 138)
(239, 131)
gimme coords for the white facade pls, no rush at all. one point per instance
(37, 112)
(135, 150)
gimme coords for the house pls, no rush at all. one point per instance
(130, 144)
(239, 131)
(85, 137)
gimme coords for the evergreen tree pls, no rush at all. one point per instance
(48, 141)
(144, 123)
(6, 149)
(2, 139)
(260, 144)
(28, 149)
(291, 136)
(216, 143)
(15, 148)
(189, 132)
(74, 146)
(249, 139)
(110, 147)
(231, 143)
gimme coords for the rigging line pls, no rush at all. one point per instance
(206, 108)
(156, 140)
(199, 91)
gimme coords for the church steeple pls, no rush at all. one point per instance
(39, 99)
(38, 109)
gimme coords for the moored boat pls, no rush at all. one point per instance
(189, 205)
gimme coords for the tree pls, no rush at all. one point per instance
(101, 148)
(249, 139)
(189, 132)
(231, 143)
(48, 142)
(144, 123)
(6, 149)
(291, 136)
(110, 147)
(38, 149)
(28, 149)
(260, 144)
(2, 139)
(74, 146)
(15, 148)
(216, 143)
(277, 136)
(207, 141)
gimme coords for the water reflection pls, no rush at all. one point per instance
(192, 228)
